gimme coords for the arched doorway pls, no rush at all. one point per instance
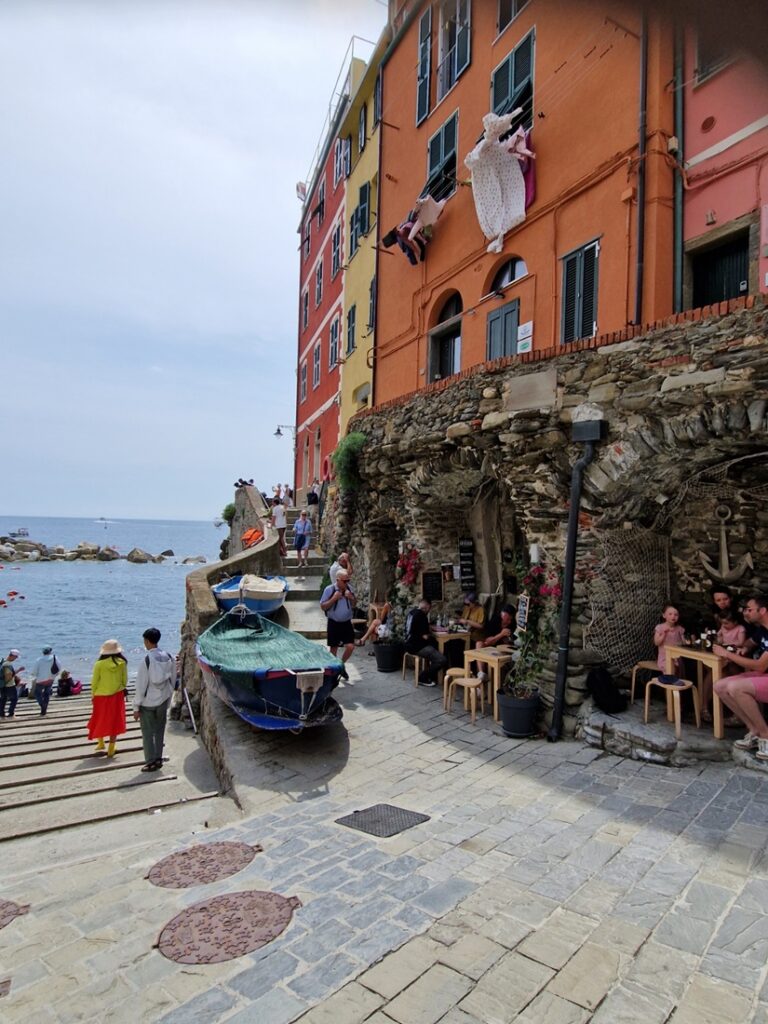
(445, 340)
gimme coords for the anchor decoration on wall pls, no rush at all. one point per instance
(723, 573)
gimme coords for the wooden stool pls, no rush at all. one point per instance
(470, 687)
(649, 666)
(673, 691)
(418, 664)
(449, 675)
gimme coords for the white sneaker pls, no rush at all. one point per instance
(762, 750)
(749, 742)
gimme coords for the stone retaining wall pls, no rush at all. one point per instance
(488, 454)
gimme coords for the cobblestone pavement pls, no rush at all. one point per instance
(551, 883)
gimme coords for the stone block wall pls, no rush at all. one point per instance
(488, 452)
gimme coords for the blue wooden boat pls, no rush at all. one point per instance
(263, 594)
(271, 677)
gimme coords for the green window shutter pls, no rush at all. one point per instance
(347, 156)
(588, 288)
(353, 232)
(570, 312)
(377, 100)
(435, 153)
(351, 328)
(501, 330)
(501, 86)
(493, 335)
(362, 128)
(463, 37)
(364, 208)
(425, 68)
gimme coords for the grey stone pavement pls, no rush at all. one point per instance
(552, 883)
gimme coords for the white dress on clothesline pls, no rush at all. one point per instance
(497, 181)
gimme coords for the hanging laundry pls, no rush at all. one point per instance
(528, 167)
(427, 212)
(497, 180)
(412, 244)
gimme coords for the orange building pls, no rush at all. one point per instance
(595, 249)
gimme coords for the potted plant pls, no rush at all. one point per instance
(519, 697)
(390, 649)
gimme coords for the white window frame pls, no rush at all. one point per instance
(318, 283)
(305, 309)
(333, 343)
(336, 250)
(316, 360)
(338, 162)
(303, 382)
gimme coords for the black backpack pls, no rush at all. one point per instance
(605, 694)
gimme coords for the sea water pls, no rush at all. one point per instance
(75, 606)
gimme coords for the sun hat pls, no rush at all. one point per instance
(14, 652)
(111, 647)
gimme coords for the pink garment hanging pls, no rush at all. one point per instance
(528, 166)
(427, 212)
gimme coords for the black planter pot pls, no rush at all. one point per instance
(389, 656)
(518, 715)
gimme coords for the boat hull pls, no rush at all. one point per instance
(228, 595)
(267, 696)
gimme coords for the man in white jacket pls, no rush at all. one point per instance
(154, 686)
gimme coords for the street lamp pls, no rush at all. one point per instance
(285, 426)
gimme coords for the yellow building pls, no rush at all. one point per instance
(359, 143)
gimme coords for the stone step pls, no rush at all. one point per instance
(304, 589)
(307, 618)
(291, 571)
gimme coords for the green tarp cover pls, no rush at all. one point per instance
(255, 644)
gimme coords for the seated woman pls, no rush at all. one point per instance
(379, 620)
(473, 617)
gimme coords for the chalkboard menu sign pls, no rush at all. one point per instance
(432, 585)
(467, 574)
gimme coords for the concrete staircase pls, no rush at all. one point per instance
(50, 777)
(302, 612)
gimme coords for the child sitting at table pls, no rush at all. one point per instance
(732, 632)
(669, 632)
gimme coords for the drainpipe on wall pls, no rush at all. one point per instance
(677, 256)
(642, 129)
(590, 432)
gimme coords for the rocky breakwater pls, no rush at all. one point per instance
(14, 550)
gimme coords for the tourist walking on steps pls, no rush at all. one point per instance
(279, 522)
(108, 685)
(338, 603)
(45, 672)
(302, 535)
(154, 687)
(9, 693)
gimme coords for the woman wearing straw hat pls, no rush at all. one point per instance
(108, 686)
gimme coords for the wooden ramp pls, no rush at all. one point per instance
(51, 778)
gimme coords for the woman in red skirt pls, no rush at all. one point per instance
(108, 686)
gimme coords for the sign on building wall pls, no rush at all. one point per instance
(467, 573)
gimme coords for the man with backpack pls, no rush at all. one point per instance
(154, 686)
(46, 670)
(8, 679)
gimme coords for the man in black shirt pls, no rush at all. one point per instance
(419, 641)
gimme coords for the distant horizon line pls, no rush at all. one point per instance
(117, 519)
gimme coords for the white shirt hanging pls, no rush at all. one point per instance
(497, 181)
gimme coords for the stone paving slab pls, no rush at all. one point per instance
(552, 884)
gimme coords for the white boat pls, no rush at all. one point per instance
(21, 532)
(263, 594)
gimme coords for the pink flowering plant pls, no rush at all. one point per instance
(408, 567)
(544, 588)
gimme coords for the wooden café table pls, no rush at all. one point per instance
(445, 636)
(495, 659)
(709, 660)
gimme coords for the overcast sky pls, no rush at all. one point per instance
(148, 246)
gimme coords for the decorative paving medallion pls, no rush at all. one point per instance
(201, 864)
(10, 910)
(226, 927)
(382, 820)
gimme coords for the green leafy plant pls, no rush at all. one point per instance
(543, 587)
(346, 460)
(228, 513)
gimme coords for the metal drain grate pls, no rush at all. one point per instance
(9, 911)
(202, 864)
(382, 820)
(226, 927)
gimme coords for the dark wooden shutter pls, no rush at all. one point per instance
(435, 153)
(362, 128)
(588, 289)
(570, 296)
(372, 304)
(377, 100)
(347, 156)
(351, 325)
(364, 209)
(501, 86)
(425, 66)
(463, 37)
(501, 330)
(353, 232)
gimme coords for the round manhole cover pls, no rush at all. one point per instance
(207, 862)
(226, 927)
(9, 910)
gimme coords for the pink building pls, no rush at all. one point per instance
(722, 129)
